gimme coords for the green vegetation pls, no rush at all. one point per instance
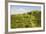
(26, 20)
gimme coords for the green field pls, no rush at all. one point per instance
(26, 20)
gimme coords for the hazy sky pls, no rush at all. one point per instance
(19, 9)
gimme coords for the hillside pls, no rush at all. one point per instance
(26, 20)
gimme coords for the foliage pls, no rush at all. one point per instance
(27, 20)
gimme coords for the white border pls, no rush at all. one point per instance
(24, 29)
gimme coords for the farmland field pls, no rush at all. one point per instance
(26, 20)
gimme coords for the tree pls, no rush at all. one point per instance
(36, 18)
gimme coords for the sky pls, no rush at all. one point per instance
(20, 9)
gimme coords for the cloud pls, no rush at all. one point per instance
(23, 9)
